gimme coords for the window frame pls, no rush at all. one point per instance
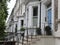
(33, 11)
(36, 16)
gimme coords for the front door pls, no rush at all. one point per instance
(50, 17)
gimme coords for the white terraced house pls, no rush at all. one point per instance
(33, 14)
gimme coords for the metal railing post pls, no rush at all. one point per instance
(22, 39)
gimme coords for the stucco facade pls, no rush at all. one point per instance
(23, 10)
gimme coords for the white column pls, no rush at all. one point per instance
(30, 16)
(38, 14)
(53, 30)
(43, 13)
(18, 23)
(30, 19)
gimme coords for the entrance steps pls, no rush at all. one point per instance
(38, 40)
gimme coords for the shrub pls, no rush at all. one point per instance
(38, 31)
(48, 30)
(22, 29)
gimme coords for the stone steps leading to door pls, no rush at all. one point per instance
(39, 40)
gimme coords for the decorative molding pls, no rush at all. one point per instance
(20, 16)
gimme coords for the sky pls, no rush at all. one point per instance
(10, 6)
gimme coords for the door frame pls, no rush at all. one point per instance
(51, 14)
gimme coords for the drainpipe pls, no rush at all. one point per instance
(27, 27)
(40, 16)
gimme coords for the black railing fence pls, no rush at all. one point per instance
(32, 32)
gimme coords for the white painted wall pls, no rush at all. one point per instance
(53, 30)
(23, 9)
(19, 22)
(29, 15)
(43, 13)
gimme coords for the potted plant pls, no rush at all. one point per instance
(38, 31)
(22, 30)
(48, 30)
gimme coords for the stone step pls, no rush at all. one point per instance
(45, 40)
(25, 41)
(37, 40)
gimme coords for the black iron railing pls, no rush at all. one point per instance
(31, 34)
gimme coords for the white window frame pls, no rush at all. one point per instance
(35, 16)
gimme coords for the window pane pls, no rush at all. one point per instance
(35, 11)
(35, 21)
(22, 22)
